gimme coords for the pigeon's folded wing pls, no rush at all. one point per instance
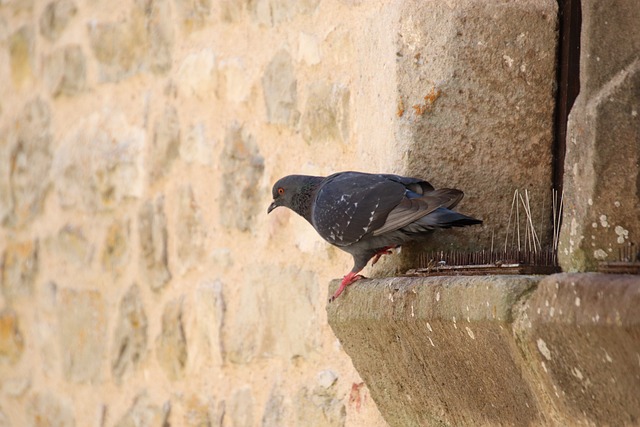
(412, 209)
(350, 205)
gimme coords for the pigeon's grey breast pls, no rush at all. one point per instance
(351, 205)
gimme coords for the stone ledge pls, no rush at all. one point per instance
(516, 350)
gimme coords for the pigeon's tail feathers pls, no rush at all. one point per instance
(446, 218)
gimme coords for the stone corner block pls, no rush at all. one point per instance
(437, 350)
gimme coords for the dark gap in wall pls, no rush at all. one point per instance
(570, 20)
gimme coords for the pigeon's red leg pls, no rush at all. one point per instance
(384, 251)
(346, 281)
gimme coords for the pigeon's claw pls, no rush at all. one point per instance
(346, 281)
(384, 251)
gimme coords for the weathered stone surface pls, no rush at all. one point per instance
(209, 318)
(159, 26)
(165, 143)
(580, 335)
(197, 146)
(233, 84)
(241, 407)
(11, 341)
(319, 406)
(143, 41)
(274, 12)
(602, 172)
(65, 71)
(99, 162)
(55, 18)
(45, 409)
(190, 231)
(4, 421)
(326, 113)
(193, 13)
(152, 226)
(474, 93)
(16, 387)
(198, 75)
(19, 269)
(279, 86)
(309, 49)
(267, 325)
(438, 350)
(22, 56)
(130, 337)
(29, 163)
(231, 10)
(242, 166)
(82, 322)
(70, 245)
(171, 344)
(274, 410)
(201, 413)
(116, 247)
(143, 413)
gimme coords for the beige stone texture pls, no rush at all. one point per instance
(602, 165)
(496, 350)
(143, 282)
(145, 156)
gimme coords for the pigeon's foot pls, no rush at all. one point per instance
(346, 281)
(384, 251)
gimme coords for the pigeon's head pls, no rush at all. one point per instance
(294, 192)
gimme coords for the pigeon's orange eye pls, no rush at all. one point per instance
(281, 191)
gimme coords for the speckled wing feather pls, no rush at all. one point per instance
(412, 209)
(350, 205)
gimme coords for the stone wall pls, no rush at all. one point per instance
(142, 281)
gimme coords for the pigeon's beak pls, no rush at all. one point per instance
(272, 206)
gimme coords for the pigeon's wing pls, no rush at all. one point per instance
(411, 209)
(350, 205)
(417, 185)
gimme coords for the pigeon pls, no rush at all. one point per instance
(367, 214)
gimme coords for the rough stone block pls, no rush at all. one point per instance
(470, 93)
(242, 167)
(165, 143)
(209, 316)
(11, 341)
(99, 162)
(197, 146)
(19, 269)
(55, 18)
(152, 226)
(193, 13)
(71, 245)
(241, 407)
(22, 56)
(65, 71)
(279, 86)
(267, 325)
(580, 335)
(28, 163)
(116, 247)
(602, 172)
(319, 406)
(144, 413)
(274, 410)
(171, 344)
(190, 231)
(438, 350)
(82, 323)
(326, 113)
(46, 409)
(130, 337)
(142, 41)
(197, 75)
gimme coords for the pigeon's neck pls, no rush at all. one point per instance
(302, 201)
